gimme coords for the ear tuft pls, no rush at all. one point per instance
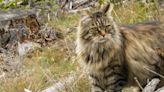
(108, 8)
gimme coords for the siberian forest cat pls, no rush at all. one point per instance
(114, 55)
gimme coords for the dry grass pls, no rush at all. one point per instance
(47, 65)
(132, 12)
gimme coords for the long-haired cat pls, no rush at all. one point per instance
(114, 55)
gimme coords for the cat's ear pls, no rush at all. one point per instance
(107, 9)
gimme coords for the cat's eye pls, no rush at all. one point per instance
(93, 31)
(93, 28)
(109, 29)
(108, 26)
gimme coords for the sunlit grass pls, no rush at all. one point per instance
(133, 12)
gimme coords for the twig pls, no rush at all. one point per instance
(138, 83)
(81, 4)
(154, 72)
(78, 10)
(63, 5)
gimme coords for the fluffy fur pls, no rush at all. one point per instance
(113, 55)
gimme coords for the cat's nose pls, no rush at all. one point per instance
(103, 33)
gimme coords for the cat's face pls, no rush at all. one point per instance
(97, 27)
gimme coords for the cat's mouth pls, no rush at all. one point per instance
(102, 40)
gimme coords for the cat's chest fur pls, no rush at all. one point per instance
(97, 58)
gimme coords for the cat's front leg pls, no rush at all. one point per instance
(96, 89)
(100, 84)
(95, 83)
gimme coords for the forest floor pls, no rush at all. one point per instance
(45, 66)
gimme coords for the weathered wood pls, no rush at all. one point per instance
(151, 86)
(160, 90)
(17, 25)
(12, 18)
(75, 4)
(47, 35)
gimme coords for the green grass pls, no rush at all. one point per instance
(65, 21)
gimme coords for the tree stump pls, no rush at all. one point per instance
(17, 25)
